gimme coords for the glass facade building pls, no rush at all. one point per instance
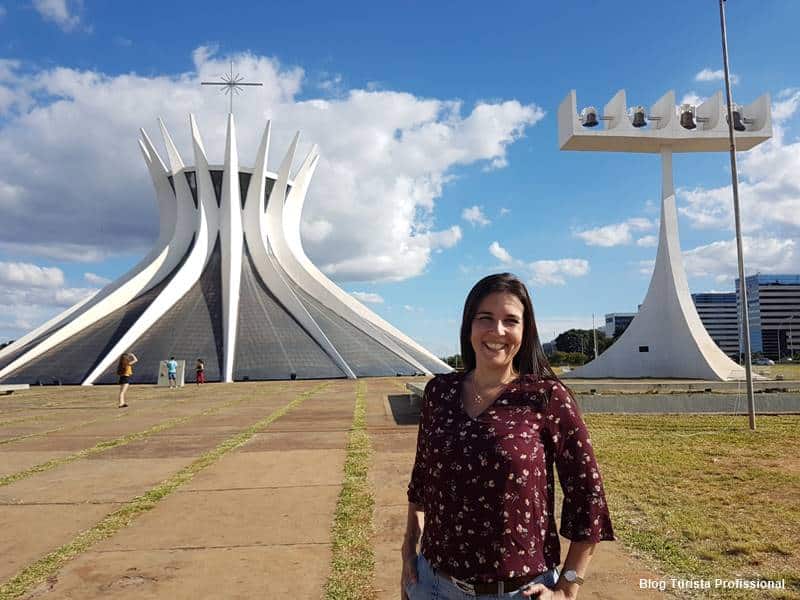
(617, 323)
(774, 305)
(717, 311)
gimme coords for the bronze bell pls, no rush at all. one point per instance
(738, 125)
(687, 117)
(589, 117)
(638, 118)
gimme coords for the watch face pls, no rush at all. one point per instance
(572, 577)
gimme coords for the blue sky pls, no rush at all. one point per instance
(470, 91)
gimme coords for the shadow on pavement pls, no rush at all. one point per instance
(405, 409)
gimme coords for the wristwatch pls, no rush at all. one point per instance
(572, 577)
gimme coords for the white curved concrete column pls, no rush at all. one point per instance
(186, 210)
(257, 236)
(147, 273)
(231, 241)
(175, 160)
(666, 338)
(206, 226)
(309, 277)
(177, 237)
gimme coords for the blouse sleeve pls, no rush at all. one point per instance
(584, 512)
(419, 473)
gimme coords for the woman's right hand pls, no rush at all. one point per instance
(409, 574)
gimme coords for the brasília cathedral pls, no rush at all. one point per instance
(227, 281)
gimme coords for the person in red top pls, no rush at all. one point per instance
(481, 495)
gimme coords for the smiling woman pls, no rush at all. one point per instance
(481, 496)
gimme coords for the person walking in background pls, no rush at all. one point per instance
(200, 370)
(172, 372)
(125, 372)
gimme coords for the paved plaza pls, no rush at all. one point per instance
(255, 522)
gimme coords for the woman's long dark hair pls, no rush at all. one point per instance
(530, 360)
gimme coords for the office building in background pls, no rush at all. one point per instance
(774, 305)
(717, 311)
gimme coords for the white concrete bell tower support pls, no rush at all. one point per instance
(666, 338)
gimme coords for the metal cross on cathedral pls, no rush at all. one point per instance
(232, 85)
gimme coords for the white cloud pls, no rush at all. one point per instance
(30, 294)
(541, 272)
(647, 241)
(475, 215)
(769, 186)
(66, 252)
(8, 67)
(446, 238)
(332, 83)
(369, 297)
(316, 231)
(504, 211)
(765, 255)
(712, 75)
(786, 105)
(94, 279)
(500, 253)
(23, 308)
(555, 272)
(692, 98)
(370, 213)
(58, 11)
(718, 259)
(18, 274)
(615, 234)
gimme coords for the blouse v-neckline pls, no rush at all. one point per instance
(488, 406)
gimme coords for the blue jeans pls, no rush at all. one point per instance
(431, 586)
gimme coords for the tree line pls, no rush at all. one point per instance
(573, 347)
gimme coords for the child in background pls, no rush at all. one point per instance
(172, 372)
(200, 370)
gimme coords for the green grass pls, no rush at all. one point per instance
(48, 565)
(702, 496)
(23, 419)
(790, 372)
(353, 560)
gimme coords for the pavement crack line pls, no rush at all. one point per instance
(63, 503)
(49, 564)
(259, 487)
(23, 420)
(216, 547)
(115, 443)
(353, 560)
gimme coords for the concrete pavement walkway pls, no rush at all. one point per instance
(256, 523)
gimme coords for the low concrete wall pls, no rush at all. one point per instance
(10, 388)
(672, 402)
(766, 403)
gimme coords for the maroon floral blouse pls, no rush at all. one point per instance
(487, 484)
